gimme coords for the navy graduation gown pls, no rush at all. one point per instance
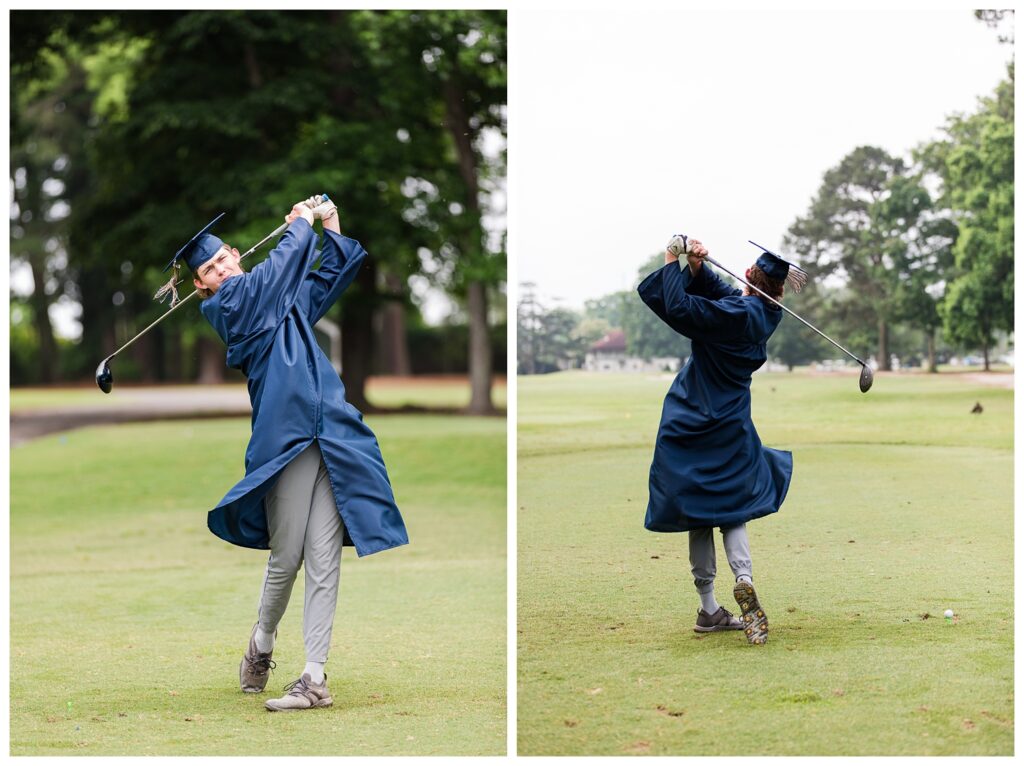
(266, 318)
(709, 468)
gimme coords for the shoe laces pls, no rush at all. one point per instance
(300, 687)
(263, 664)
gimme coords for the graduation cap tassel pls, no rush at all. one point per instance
(777, 267)
(796, 278)
(171, 288)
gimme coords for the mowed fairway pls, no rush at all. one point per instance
(129, 618)
(901, 506)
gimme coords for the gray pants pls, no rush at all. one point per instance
(702, 554)
(304, 525)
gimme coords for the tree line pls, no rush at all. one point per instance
(131, 130)
(908, 255)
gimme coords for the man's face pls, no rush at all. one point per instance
(225, 264)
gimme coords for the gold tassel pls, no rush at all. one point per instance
(796, 278)
(171, 288)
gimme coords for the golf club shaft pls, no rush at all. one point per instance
(792, 314)
(279, 230)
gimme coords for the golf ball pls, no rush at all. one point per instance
(948, 613)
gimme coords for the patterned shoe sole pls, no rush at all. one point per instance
(755, 621)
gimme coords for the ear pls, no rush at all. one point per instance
(198, 283)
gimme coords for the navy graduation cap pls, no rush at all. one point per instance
(776, 267)
(197, 251)
(201, 248)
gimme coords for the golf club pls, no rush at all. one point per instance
(105, 378)
(867, 376)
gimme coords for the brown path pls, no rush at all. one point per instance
(127, 404)
(131, 405)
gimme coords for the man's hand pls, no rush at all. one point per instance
(299, 210)
(695, 255)
(325, 211)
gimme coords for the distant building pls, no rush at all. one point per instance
(609, 355)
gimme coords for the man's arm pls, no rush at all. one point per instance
(340, 260)
(261, 298)
(666, 292)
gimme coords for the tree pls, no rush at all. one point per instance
(192, 113)
(528, 325)
(646, 335)
(857, 229)
(611, 308)
(793, 344)
(452, 66)
(918, 241)
(994, 19)
(978, 172)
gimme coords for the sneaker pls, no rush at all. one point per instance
(755, 621)
(255, 667)
(302, 695)
(720, 620)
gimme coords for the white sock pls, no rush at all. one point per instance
(708, 603)
(316, 672)
(745, 578)
(264, 641)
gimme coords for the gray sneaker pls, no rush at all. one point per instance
(720, 620)
(255, 667)
(302, 695)
(755, 621)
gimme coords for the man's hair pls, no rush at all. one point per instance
(760, 280)
(204, 293)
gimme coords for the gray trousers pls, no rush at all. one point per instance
(304, 525)
(702, 554)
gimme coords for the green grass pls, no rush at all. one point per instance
(901, 505)
(128, 618)
(447, 392)
(433, 392)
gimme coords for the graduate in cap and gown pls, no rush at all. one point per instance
(709, 468)
(314, 475)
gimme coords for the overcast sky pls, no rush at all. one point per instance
(629, 126)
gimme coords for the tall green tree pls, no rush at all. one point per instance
(248, 112)
(918, 241)
(793, 344)
(450, 68)
(853, 232)
(975, 162)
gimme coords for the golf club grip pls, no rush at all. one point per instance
(709, 259)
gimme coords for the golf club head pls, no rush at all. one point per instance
(104, 377)
(867, 377)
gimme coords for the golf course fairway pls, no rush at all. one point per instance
(901, 506)
(129, 618)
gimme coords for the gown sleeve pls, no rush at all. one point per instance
(340, 260)
(261, 298)
(666, 293)
(707, 284)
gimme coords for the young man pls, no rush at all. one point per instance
(314, 475)
(709, 468)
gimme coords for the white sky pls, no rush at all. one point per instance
(630, 126)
